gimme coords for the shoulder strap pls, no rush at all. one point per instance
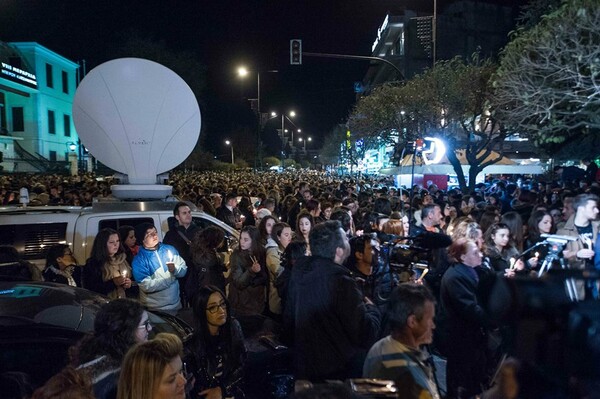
(187, 240)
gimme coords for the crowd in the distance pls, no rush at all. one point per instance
(352, 273)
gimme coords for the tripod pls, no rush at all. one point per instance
(555, 255)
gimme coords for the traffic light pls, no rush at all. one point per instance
(296, 52)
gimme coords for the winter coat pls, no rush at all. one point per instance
(328, 321)
(247, 290)
(275, 269)
(95, 280)
(206, 269)
(159, 288)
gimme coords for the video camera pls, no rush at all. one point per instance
(556, 244)
(554, 238)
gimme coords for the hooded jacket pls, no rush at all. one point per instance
(159, 288)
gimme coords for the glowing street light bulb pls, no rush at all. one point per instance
(242, 71)
(292, 114)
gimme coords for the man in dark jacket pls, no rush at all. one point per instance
(180, 236)
(329, 321)
(229, 213)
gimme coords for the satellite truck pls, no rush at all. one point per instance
(140, 119)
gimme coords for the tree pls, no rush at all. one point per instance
(548, 82)
(450, 101)
(331, 151)
(271, 161)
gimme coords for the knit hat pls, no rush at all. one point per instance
(141, 230)
(261, 213)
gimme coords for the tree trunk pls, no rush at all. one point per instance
(453, 159)
(473, 172)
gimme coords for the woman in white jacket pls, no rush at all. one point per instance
(281, 236)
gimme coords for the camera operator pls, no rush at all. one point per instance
(582, 225)
(363, 259)
(430, 236)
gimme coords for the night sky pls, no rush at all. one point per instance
(225, 34)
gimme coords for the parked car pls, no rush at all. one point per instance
(40, 321)
(32, 230)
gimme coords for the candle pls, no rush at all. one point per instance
(537, 254)
(124, 273)
(422, 275)
(512, 263)
(170, 256)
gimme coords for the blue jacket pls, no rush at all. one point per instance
(159, 289)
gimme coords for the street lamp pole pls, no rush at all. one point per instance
(229, 143)
(282, 140)
(434, 30)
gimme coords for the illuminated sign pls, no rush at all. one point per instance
(381, 29)
(435, 151)
(17, 75)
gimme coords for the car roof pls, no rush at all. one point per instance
(58, 305)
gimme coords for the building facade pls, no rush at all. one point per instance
(37, 87)
(461, 29)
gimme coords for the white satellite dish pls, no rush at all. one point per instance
(139, 118)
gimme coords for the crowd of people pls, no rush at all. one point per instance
(353, 274)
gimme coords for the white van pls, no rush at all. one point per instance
(32, 230)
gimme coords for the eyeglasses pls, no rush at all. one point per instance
(215, 308)
(146, 325)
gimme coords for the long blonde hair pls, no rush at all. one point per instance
(144, 365)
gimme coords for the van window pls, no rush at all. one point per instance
(33, 240)
(116, 223)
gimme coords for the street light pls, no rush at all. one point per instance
(242, 73)
(283, 131)
(229, 143)
(307, 139)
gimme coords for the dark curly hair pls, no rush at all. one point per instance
(114, 329)
(206, 242)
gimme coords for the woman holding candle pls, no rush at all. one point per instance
(501, 255)
(107, 271)
(539, 223)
